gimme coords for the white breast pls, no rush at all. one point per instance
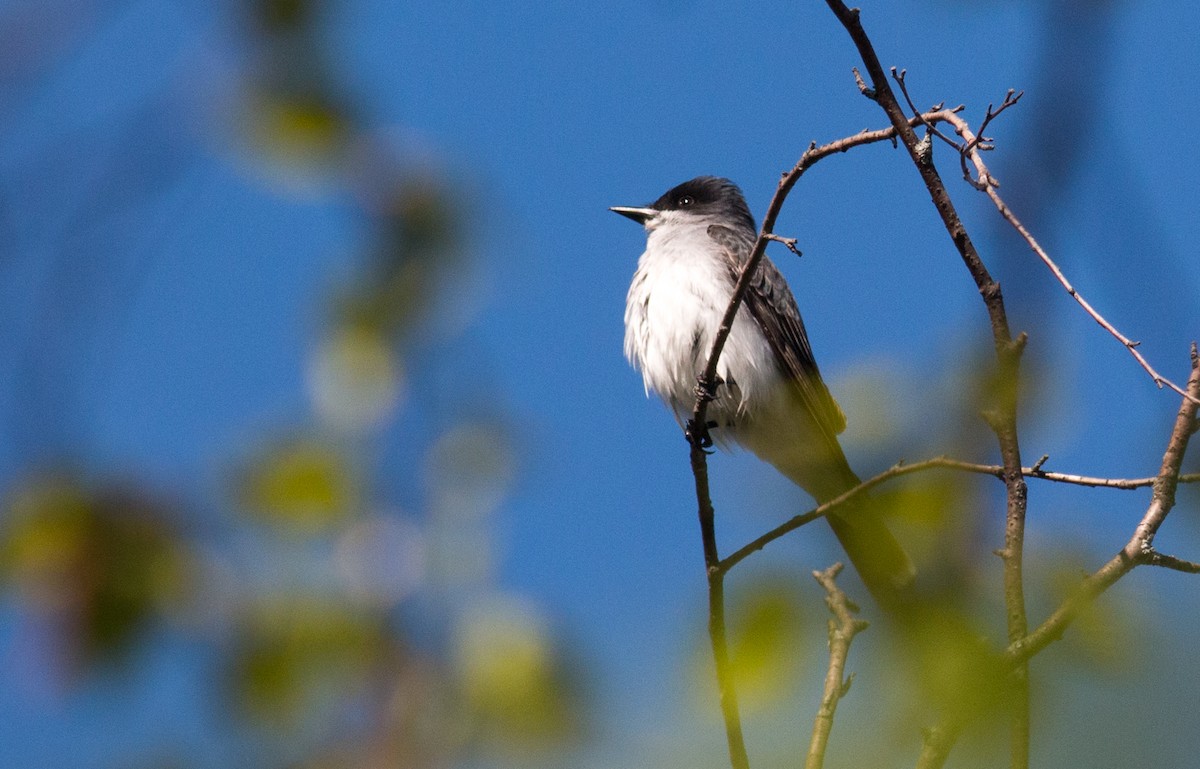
(675, 304)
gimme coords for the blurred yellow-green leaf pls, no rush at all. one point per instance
(298, 651)
(300, 129)
(766, 624)
(953, 662)
(1103, 633)
(304, 485)
(105, 560)
(417, 244)
(511, 676)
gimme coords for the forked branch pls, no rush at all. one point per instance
(1139, 550)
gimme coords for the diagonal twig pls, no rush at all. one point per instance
(985, 182)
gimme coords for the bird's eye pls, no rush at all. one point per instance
(686, 201)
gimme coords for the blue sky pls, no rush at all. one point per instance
(547, 114)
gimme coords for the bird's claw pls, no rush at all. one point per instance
(707, 391)
(699, 435)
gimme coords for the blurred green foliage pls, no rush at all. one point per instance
(319, 595)
(767, 621)
(295, 651)
(513, 681)
(304, 485)
(102, 562)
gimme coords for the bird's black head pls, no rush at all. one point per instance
(708, 196)
(711, 198)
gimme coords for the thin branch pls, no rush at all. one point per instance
(726, 690)
(1008, 356)
(1171, 562)
(790, 243)
(1036, 472)
(1139, 549)
(899, 78)
(843, 627)
(987, 183)
(981, 141)
(936, 463)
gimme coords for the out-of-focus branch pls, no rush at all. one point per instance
(938, 742)
(1139, 550)
(843, 626)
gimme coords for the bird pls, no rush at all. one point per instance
(770, 397)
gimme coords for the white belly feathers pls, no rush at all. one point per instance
(672, 312)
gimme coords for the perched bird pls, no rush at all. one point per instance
(770, 397)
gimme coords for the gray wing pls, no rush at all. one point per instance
(771, 304)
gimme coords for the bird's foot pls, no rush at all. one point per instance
(699, 435)
(706, 391)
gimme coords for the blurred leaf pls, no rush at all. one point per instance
(105, 561)
(470, 470)
(925, 500)
(511, 678)
(953, 664)
(935, 516)
(766, 628)
(355, 379)
(417, 244)
(283, 15)
(419, 217)
(297, 652)
(1102, 634)
(304, 485)
(303, 129)
(381, 560)
(390, 301)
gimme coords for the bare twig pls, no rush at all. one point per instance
(1139, 550)
(790, 243)
(981, 141)
(726, 690)
(987, 183)
(863, 88)
(936, 463)
(929, 124)
(1171, 562)
(843, 626)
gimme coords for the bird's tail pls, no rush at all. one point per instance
(799, 450)
(858, 523)
(878, 558)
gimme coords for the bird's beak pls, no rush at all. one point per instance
(639, 215)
